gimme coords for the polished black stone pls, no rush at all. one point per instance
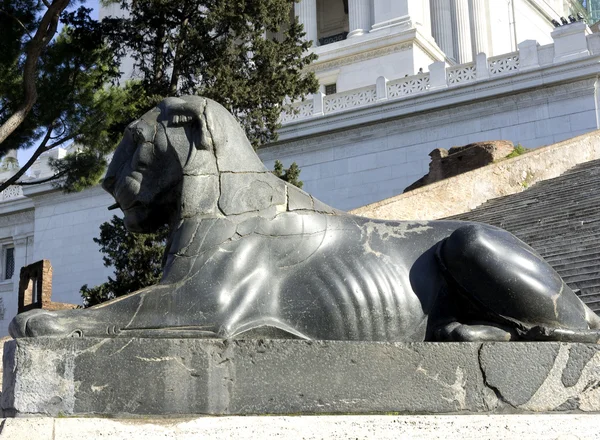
(250, 256)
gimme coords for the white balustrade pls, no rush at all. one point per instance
(408, 85)
(529, 56)
(11, 192)
(462, 74)
(350, 99)
(298, 110)
(503, 64)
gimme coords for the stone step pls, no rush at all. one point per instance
(381, 427)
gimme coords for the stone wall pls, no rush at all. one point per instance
(457, 160)
(65, 225)
(464, 192)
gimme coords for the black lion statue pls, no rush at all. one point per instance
(251, 256)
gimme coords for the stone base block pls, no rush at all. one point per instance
(121, 377)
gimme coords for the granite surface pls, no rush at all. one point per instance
(134, 376)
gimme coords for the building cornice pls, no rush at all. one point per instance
(15, 205)
(467, 93)
(372, 45)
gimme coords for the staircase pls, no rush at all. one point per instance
(560, 219)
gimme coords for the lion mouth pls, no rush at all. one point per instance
(117, 205)
(134, 205)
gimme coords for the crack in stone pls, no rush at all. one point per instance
(491, 387)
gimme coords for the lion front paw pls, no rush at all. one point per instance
(40, 323)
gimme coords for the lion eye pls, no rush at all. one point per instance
(179, 120)
(138, 137)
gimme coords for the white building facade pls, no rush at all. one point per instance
(398, 78)
(411, 76)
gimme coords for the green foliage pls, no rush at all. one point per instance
(290, 175)
(217, 49)
(73, 68)
(101, 132)
(137, 260)
(519, 149)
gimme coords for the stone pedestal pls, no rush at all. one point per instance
(121, 377)
(570, 41)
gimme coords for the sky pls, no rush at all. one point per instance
(24, 155)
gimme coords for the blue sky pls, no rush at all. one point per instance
(94, 4)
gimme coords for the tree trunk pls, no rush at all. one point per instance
(42, 37)
(177, 58)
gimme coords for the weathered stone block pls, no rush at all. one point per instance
(123, 376)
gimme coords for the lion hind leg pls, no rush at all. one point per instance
(507, 282)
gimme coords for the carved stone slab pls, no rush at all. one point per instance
(123, 376)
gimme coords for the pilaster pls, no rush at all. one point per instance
(306, 11)
(479, 26)
(359, 17)
(441, 26)
(407, 14)
(462, 30)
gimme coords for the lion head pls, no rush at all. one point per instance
(169, 163)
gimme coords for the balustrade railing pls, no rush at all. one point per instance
(350, 99)
(529, 56)
(462, 74)
(503, 64)
(408, 85)
(11, 192)
(297, 110)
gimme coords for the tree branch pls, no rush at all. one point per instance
(18, 21)
(13, 179)
(47, 179)
(42, 148)
(42, 37)
(61, 141)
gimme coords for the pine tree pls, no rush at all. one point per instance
(290, 175)
(225, 50)
(136, 258)
(248, 55)
(70, 96)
